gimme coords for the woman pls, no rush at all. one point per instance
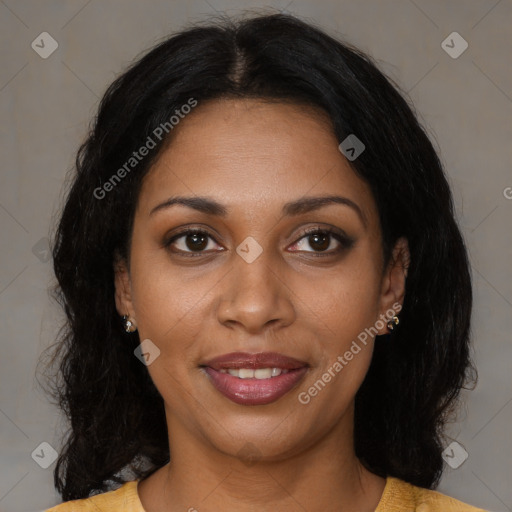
(267, 293)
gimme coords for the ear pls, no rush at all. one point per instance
(393, 282)
(123, 295)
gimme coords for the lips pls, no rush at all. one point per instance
(237, 360)
(242, 378)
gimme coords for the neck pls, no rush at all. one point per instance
(324, 476)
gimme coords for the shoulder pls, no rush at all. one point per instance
(123, 499)
(400, 496)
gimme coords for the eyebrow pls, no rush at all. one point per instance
(297, 207)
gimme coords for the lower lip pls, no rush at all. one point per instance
(255, 391)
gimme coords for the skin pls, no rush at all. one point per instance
(253, 157)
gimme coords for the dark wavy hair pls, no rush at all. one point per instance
(116, 415)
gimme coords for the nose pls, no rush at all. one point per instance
(254, 297)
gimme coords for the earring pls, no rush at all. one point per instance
(129, 325)
(393, 322)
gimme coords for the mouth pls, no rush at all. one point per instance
(254, 379)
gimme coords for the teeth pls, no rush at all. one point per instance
(244, 373)
(263, 373)
(249, 373)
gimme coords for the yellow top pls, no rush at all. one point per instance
(398, 496)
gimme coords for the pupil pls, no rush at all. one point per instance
(322, 246)
(198, 241)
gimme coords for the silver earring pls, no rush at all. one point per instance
(393, 323)
(129, 324)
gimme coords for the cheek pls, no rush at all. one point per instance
(343, 306)
(342, 302)
(164, 302)
(169, 312)
(171, 308)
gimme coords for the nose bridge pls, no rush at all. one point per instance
(255, 295)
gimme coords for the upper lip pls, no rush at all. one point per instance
(238, 360)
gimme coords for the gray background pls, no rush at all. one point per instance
(46, 106)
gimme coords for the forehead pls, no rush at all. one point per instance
(250, 154)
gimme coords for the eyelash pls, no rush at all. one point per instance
(345, 241)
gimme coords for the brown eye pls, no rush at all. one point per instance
(319, 241)
(196, 241)
(190, 241)
(323, 242)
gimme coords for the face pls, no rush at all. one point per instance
(270, 270)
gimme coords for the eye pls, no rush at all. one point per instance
(324, 242)
(190, 240)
